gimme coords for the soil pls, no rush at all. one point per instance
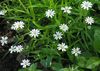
(8, 61)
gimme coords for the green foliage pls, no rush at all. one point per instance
(47, 62)
(88, 62)
(43, 49)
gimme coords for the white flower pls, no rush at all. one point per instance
(86, 5)
(34, 33)
(89, 20)
(57, 35)
(2, 12)
(66, 9)
(4, 40)
(76, 51)
(25, 63)
(12, 49)
(63, 27)
(50, 13)
(62, 47)
(17, 49)
(18, 25)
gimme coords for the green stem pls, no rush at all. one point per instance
(23, 6)
(31, 10)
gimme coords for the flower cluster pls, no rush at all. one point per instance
(17, 48)
(18, 25)
(62, 27)
(58, 35)
(67, 9)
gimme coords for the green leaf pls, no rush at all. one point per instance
(88, 62)
(32, 67)
(81, 62)
(97, 40)
(93, 62)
